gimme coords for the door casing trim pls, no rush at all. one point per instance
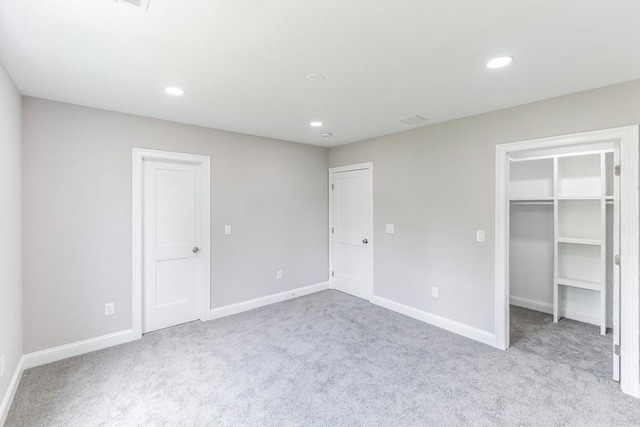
(348, 168)
(140, 155)
(626, 139)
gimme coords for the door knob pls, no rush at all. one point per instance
(365, 241)
(196, 250)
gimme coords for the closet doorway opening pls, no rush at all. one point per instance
(563, 234)
(567, 219)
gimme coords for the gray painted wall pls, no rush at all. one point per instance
(437, 185)
(531, 252)
(77, 215)
(10, 228)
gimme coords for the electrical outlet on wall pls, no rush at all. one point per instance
(434, 291)
(109, 309)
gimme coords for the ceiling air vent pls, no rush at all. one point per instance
(414, 120)
(139, 4)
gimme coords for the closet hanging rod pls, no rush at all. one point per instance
(532, 202)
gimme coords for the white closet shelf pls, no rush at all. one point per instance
(579, 241)
(583, 284)
(579, 197)
(547, 200)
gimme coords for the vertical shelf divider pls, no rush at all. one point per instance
(573, 185)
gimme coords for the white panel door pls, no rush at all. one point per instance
(352, 231)
(172, 257)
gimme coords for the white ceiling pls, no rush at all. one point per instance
(243, 63)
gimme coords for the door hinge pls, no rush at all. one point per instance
(332, 186)
(616, 260)
(616, 349)
(333, 273)
(616, 170)
(332, 230)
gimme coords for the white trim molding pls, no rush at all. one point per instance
(49, 355)
(139, 156)
(531, 304)
(626, 140)
(629, 268)
(77, 348)
(438, 321)
(66, 351)
(243, 306)
(7, 400)
(545, 307)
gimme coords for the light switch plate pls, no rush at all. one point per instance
(390, 229)
(480, 235)
(227, 229)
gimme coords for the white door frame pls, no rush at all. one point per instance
(627, 140)
(357, 166)
(141, 155)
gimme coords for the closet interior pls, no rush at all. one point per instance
(563, 208)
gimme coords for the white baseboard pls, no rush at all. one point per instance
(581, 317)
(240, 307)
(435, 320)
(7, 400)
(54, 354)
(545, 307)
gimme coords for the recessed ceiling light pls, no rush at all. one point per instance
(315, 77)
(501, 61)
(326, 134)
(316, 124)
(175, 91)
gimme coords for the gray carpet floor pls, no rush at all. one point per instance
(330, 359)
